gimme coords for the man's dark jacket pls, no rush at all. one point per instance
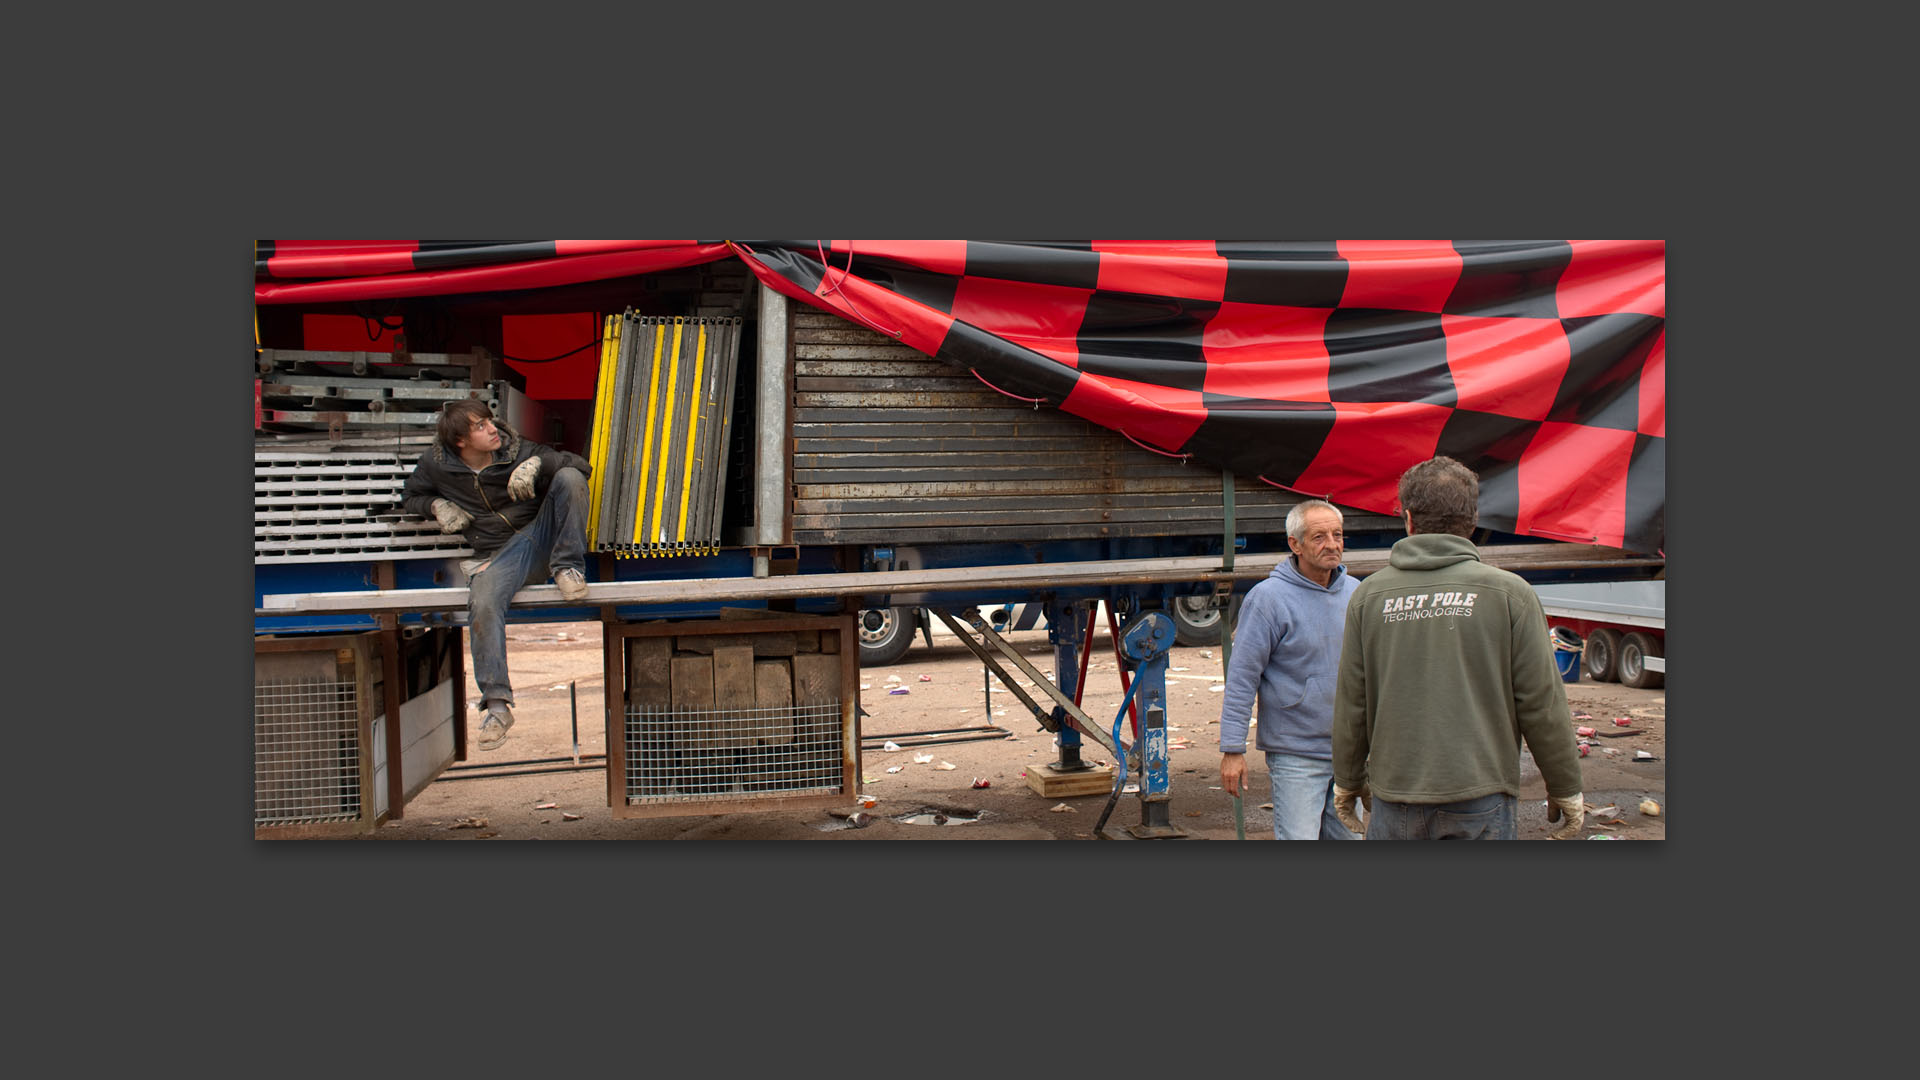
(440, 474)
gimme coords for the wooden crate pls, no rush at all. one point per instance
(753, 711)
(328, 761)
(313, 707)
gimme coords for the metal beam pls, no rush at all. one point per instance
(914, 586)
(771, 445)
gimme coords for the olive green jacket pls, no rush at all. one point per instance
(1444, 667)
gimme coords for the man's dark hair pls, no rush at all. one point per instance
(458, 418)
(1442, 495)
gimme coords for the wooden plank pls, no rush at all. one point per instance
(649, 677)
(692, 689)
(764, 643)
(1186, 569)
(803, 640)
(773, 690)
(734, 687)
(1057, 785)
(816, 678)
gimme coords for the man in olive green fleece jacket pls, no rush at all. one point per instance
(1445, 666)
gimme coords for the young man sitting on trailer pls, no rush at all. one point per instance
(522, 507)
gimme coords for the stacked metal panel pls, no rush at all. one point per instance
(662, 413)
(319, 506)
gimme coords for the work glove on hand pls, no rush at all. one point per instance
(520, 484)
(1574, 809)
(1343, 807)
(452, 518)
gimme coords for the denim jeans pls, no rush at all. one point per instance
(1303, 799)
(556, 539)
(1489, 817)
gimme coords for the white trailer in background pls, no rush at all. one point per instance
(1622, 625)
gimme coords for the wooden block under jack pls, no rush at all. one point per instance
(1065, 785)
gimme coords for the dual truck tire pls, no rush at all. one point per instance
(1615, 657)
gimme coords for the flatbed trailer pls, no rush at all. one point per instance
(1621, 627)
(835, 472)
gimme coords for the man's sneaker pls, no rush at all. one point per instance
(573, 586)
(493, 730)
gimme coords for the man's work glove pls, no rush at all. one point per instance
(1574, 809)
(1343, 807)
(520, 484)
(452, 518)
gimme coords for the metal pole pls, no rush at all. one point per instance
(573, 701)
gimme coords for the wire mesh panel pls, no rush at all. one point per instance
(675, 755)
(306, 752)
(662, 411)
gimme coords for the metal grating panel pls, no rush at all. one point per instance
(678, 755)
(321, 507)
(662, 413)
(306, 752)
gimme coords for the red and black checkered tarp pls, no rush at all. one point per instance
(327, 271)
(1326, 368)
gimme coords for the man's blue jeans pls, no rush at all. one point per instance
(556, 539)
(1489, 817)
(1303, 799)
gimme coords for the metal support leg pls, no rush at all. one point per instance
(1147, 641)
(1066, 631)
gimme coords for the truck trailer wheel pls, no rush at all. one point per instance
(1603, 655)
(1634, 650)
(1195, 620)
(885, 635)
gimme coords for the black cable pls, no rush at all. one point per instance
(551, 359)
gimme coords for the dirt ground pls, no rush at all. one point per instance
(530, 788)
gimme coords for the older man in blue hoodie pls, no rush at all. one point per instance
(1286, 658)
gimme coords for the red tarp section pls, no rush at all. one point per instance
(1325, 368)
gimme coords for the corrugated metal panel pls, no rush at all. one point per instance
(893, 446)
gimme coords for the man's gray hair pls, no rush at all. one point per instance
(1297, 517)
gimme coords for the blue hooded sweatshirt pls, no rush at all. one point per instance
(1286, 656)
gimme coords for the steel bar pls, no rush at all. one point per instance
(518, 772)
(476, 766)
(1084, 722)
(978, 650)
(981, 735)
